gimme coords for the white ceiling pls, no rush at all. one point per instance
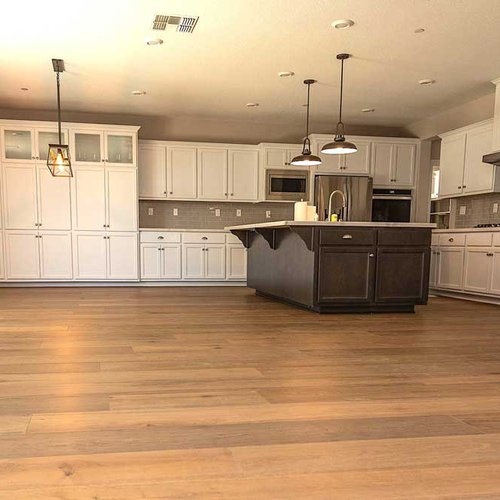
(237, 49)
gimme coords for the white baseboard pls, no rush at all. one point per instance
(76, 284)
(486, 299)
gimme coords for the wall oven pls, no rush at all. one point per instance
(287, 185)
(391, 205)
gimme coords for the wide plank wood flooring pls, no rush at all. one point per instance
(214, 393)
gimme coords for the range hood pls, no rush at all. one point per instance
(494, 157)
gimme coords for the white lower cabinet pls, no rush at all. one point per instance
(215, 262)
(451, 264)
(204, 261)
(477, 269)
(495, 272)
(434, 266)
(161, 261)
(2, 268)
(122, 256)
(55, 255)
(236, 262)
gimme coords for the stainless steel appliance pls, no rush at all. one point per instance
(287, 185)
(356, 196)
(391, 205)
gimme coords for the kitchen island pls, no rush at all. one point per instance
(341, 267)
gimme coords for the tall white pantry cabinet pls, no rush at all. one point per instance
(61, 229)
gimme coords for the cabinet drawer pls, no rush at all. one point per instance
(404, 237)
(231, 238)
(496, 239)
(160, 237)
(347, 236)
(479, 239)
(452, 239)
(203, 237)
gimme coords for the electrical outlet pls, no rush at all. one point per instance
(268, 214)
(151, 211)
(217, 212)
(176, 212)
(463, 210)
(495, 208)
(238, 212)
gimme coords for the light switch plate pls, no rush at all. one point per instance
(151, 211)
(176, 212)
(268, 214)
(217, 212)
(238, 212)
(495, 208)
(463, 210)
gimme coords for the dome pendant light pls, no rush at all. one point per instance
(58, 161)
(306, 159)
(340, 146)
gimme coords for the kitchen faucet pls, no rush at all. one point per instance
(344, 204)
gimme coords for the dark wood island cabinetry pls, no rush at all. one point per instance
(340, 267)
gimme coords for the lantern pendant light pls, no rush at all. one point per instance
(340, 146)
(306, 159)
(58, 160)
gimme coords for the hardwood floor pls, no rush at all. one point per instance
(214, 393)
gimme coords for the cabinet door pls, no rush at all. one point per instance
(330, 163)
(89, 256)
(382, 160)
(354, 271)
(243, 175)
(122, 256)
(495, 272)
(19, 193)
(88, 147)
(359, 162)
(433, 266)
(215, 262)
(171, 265)
(451, 265)
(2, 259)
(44, 137)
(292, 153)
(18, 144)
(193, 261)
(121, 197)
(181, 173)
(212, 174)
(402, 275)
(452, 165)
(275, 157)
(151, 260)
(403, 172)
(89, 199)
(21, 252)
(56, 261)
(152, 172)
(120, 148)
(477, 269)
(54, 200)
(478, 176)
(236, 262)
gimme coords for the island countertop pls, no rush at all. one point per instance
(287, 223)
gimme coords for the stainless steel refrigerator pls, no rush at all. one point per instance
(358, 192)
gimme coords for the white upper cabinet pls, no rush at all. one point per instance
(359, 162)
(212, 174)
(462, 171)
(404, 164)
(88, 146)
(54, 200)
(120, 148)
(121, 197)
(393, 164)
(329, 163)
(89, 198)
(181, 172)
(243, 175)
(152, 172)
(280, 157)
(382, 163)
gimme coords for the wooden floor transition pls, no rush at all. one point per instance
(214, 393)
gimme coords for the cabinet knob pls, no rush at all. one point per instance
(225, 194)
(164, 192)
(489, 254)
(451, 240)
(232, 194)
(464, 187)
(171, 192)
(459, 187)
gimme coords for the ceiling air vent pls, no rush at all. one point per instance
(182, 24)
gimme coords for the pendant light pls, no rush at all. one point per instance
(58, 160)
(340, 146)
(306, 159)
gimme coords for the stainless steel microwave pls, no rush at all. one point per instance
(287, 185)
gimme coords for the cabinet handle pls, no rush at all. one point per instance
(451, 240)
(347, 237)
(164, 192)
(232, 194)
(464, 187)
(161, 237)
(459, 187)
(371, 255)
(204, 238)
(104, 225)
(489, 254)
(171, 192)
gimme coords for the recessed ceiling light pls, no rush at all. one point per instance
(24, 89)
(154, 41)
(252, 104)
(138, 92)
(342, 24)
(419, 30)
(368, 110)
(427, 81)
(285, 74)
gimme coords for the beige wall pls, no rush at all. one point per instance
(202, 129)
(456, 117)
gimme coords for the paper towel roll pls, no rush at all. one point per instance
(311, 212)
(300, 211)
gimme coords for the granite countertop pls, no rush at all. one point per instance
(285, 223)
(469, 230)
(170, 230)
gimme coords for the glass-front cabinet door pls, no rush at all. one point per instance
(46, 137)
(87, 147)
(120, 148)
(18, 144)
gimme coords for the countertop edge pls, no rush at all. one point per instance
(285, 224)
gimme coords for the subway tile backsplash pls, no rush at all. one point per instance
(478, 210)
(201, 214)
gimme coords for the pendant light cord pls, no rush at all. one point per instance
(307, 114)
(340, 124)
(59, 108)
